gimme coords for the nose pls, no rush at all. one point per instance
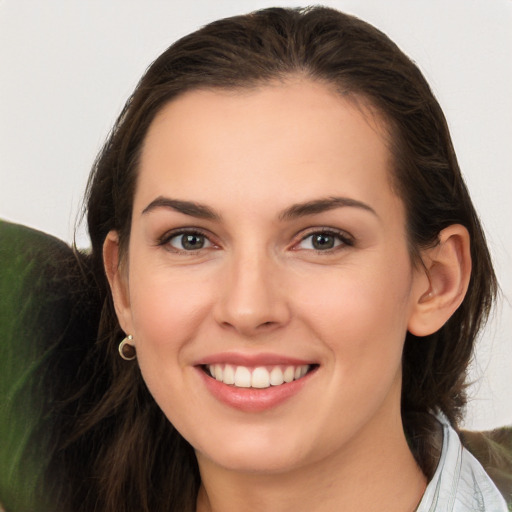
(252, 297)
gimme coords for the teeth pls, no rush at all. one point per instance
(276, 376)
(217, 372)
(289, 374)
(259, 377)
(242, 377)
(229, 375)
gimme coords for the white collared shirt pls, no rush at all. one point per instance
(460, 483)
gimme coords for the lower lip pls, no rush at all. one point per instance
(253, 399)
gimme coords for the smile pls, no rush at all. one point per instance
(255, 382)
(259, 377)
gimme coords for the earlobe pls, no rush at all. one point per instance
(447, 268)
(118, 280)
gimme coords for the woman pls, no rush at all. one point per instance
(297, 274)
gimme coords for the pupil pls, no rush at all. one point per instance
(323, 241)
(192, 241)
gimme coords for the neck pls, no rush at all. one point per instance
(372, 474)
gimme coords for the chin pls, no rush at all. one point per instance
(255, 463)
(257, 452)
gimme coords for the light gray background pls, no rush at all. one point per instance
(66, 68)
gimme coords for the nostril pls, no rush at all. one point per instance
(267, 325)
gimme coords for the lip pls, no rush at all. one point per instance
(252, 360)
(252, 399)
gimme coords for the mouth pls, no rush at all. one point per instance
(258, 377)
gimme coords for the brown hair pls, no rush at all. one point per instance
(133, 458)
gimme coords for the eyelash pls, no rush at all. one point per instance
(167, 237)
(343, 239)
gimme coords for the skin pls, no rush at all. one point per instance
(259, 286)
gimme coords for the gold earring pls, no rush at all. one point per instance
(126, 349)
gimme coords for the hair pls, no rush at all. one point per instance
(132, 457)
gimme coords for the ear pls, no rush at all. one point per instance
(443, 282)
(118, 280)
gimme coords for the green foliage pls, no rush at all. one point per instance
(34, 315)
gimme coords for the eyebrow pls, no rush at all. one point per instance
(186, 207)
(295, 211)
(322, 205)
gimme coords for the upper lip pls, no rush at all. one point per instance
(250, 360)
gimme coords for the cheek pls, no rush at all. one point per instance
(356, 300)
(166, 307)
(167, 311)
(362, 315)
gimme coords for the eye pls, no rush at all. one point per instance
(324, 241)
(188, 241)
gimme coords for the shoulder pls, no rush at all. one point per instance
(460, 483)
(493, 450)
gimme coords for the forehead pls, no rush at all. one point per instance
(298, 137)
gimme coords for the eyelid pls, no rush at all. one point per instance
(172, 233)
(346, 238)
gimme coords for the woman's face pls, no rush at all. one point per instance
(268, 285)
